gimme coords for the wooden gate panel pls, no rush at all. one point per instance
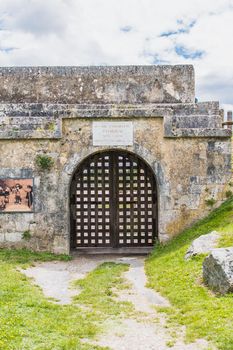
(115, 202)
(93, 203)
(135, 202)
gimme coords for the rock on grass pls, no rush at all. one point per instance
(218, 270)
(203, 244)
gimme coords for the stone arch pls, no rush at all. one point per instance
(77, 158)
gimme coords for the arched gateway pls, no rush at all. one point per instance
(113, 202)
(56, 115)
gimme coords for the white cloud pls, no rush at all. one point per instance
(78, 32)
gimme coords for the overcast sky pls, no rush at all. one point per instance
(119, 32)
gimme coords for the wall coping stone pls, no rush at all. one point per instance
(98, 84)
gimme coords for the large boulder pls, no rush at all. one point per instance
(218, 270)
(203, 244)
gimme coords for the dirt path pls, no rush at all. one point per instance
(55, 277)
(147, 331)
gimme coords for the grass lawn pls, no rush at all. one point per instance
(28, 321)
(204, 314)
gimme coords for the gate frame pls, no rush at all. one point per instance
(162, 187)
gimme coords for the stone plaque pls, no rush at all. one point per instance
(112, 133)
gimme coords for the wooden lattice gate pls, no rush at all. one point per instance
(113, 202)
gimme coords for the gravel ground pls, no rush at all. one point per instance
(146, 332)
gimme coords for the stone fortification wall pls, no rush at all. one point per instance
(50, 111)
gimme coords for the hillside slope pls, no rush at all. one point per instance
(204, 314)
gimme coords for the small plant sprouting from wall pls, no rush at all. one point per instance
(51, 126)
(229, 194)
(210, 202)
(44, 162)
(26, 235)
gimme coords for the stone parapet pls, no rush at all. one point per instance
(98, 84)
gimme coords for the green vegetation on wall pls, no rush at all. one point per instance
(44, 162)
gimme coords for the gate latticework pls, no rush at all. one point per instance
(113, 202)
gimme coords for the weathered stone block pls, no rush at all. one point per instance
(202, 245)
(218, 270)
(60, 245)
(13, 236)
